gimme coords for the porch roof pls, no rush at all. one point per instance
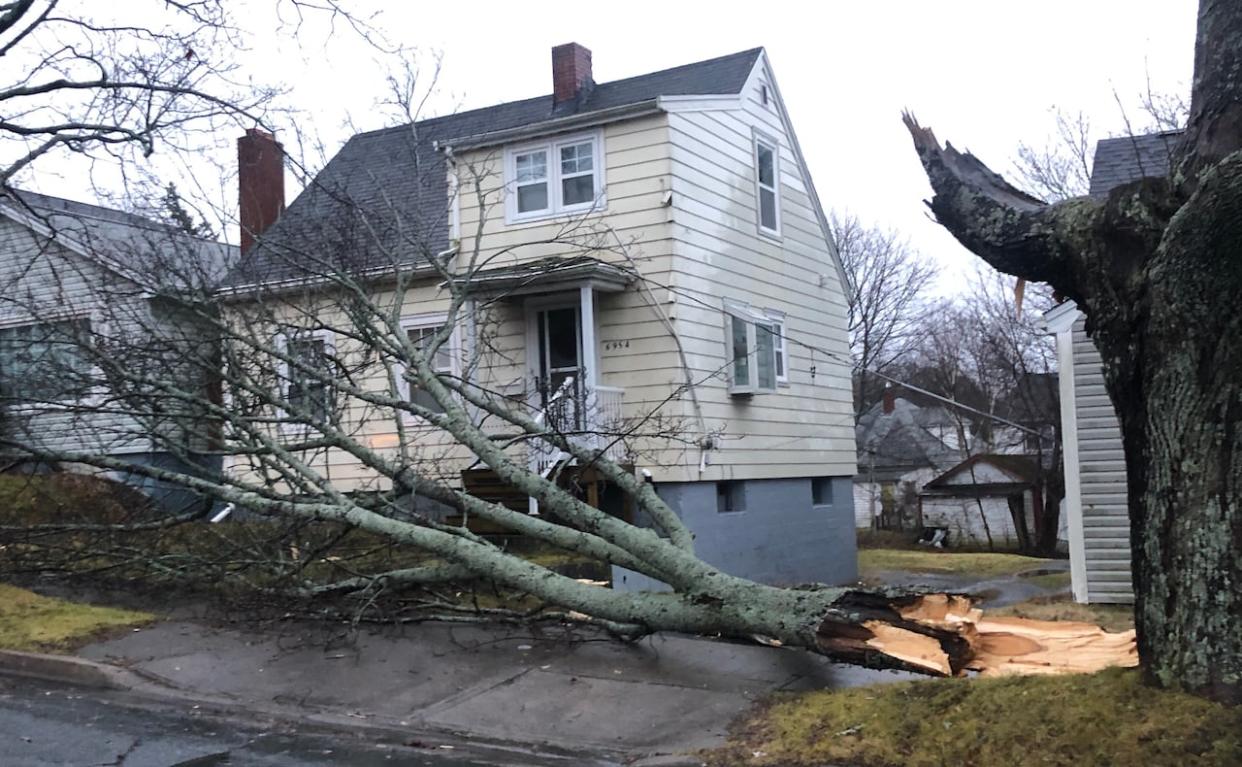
(549, 275)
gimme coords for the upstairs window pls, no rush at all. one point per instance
(767, 185)
(554, 178)
(755, 349)
(421, 331)
(578, 173)
(531, 180)
(45, 362)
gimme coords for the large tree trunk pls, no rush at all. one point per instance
(1157, 268)
(1176, 380)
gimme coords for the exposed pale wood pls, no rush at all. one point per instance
(945, 635)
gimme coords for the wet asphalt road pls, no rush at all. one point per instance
(42, 725)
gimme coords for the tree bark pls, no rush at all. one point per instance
(1157, 268)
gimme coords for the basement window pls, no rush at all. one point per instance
(554, 177)
(730, 496)
(821, 491)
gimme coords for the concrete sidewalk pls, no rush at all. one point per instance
(664, 695)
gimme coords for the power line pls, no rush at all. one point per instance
(876, 373)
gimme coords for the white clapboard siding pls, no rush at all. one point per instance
(805, 428)
(692, 248)
(42, 280)
(1102, 477)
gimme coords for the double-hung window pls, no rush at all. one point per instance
(546, 179)
(767, 185)
(755, 350)
(421, 332)
(45, 362)
(530, 181)
(308, 374)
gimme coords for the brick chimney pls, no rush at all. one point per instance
(571, 73)
(890, 399)
(261, 184)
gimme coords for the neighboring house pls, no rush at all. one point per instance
(75, 277)
(1096, 509)
(916, 470)
(716, 255)
(901, 447)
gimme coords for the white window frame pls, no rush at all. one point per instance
(556, 206)
(91, 398)
(422, 322)
(768, 142)
(741, 310)
(777, 318)
(282, 343)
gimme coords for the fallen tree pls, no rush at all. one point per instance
(1157, 268)
(284, 409)
(257, 392)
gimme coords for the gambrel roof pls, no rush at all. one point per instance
(383, 199)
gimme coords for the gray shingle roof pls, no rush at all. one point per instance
(153, 253)
(1129, 158)
(382, 200)
(891, 444)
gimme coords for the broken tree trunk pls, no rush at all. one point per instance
(944, 635)
(1157, 268)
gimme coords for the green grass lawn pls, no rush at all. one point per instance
(1062, 608)
(940, 562)
(35, 623)
(1109, 718)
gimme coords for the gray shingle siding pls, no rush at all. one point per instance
(383, 200)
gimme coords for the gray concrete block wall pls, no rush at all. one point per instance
(779, 537)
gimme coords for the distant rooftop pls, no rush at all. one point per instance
(1129, 158)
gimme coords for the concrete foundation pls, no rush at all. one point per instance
(778, 535)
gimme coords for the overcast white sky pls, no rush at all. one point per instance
(983, 74)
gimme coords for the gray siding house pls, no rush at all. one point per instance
(718, 256)
(1096, 512)
(77, 278)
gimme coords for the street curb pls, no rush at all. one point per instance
(67, 669)
(144, 688)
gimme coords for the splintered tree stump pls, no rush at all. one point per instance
(945, 635)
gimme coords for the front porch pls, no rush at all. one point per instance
(561, 386)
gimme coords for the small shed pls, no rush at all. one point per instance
(978, 500)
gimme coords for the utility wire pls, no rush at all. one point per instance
(839, 358)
